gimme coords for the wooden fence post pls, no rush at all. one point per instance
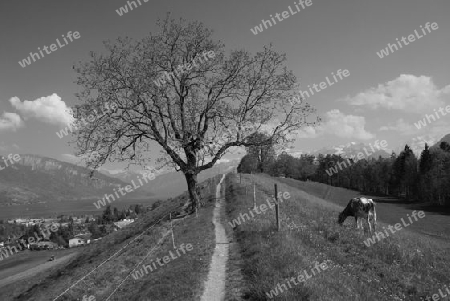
(254, 196)
(277, 208)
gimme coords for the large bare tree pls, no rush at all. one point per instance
(178, 88)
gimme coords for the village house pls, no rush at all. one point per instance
(85, 236)
(80, 240)
(123, 223)
(76, 242)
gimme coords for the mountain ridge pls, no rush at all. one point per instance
(39, 179)
(345, 150)
(35, 178)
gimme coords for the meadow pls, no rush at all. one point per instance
(405, 266)
(389, 209)
(107, 265)
(21, 265)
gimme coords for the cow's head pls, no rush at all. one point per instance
(342, 217)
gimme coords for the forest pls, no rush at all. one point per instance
(424, 179)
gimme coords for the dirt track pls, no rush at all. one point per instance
(215, 285)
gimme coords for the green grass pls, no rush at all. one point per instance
(335, 194)
(22, 261)
(405, 266)
(389, 210)
(185, 273)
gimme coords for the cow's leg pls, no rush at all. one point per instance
(368, 222)
(374, 219)
(359, 223)
(356, 222)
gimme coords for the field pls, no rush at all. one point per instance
(389, 209)
(409, 265)
(405, 266)
(22, 265)
(107, 265)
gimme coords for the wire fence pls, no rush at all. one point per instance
(169, 213)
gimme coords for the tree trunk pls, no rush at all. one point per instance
(191, 180)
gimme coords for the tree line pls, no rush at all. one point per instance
(423, 179)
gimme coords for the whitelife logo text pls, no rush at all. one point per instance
(166, 259)
(284, 15)
(411, 38)
(53, 47)
(323, 85)
(423, 122)
(243, 217)
(148, 176)
(356, 158)
(379, 235)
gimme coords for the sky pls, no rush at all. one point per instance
(380, 99)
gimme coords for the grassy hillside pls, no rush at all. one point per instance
(404, 266)
(323, 191)
(389, 209)
(107, 265)
(262, 261)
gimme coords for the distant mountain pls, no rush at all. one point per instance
(39, 179)
(296, 153)
(171, 184)
(446, 138)
(346, 151)
(127, 175)
(124, 175)
(36, 179)
(417, 144)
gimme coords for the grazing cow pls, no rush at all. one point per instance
(360, 207)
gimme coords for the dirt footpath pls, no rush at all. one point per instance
(215, 285)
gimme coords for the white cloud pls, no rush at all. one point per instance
(10, 121)
(410, 93)
(400, 126)
(308, 132)
(50, 109)
(338, 124)
(346, 126)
